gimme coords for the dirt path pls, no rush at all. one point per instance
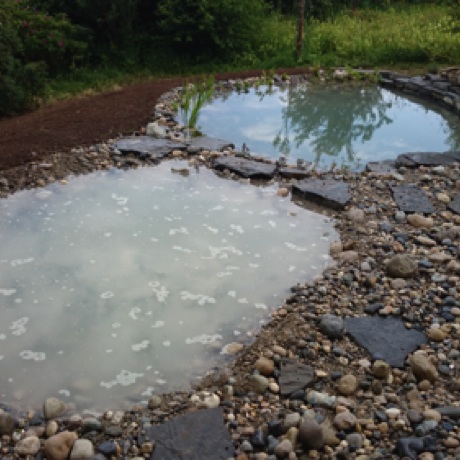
(87, 120)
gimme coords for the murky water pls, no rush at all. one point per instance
(122, 284)
(345, 124)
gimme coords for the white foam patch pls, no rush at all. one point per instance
(205, 339)
(2, 337)
(64, 392)
(32, 355)
(254, 265)
(160, 291)
(260, 306)
(231, 293)
(107, 295)
(237, 228)
(219, 207)
(18, 326)
(158, 324)
(43, 194)
(272, 223)
(181, 249)
(124, 378)
(7, 292)
(167, 343)
(222, 252)
(154, 240)
(18, 262)
(200, 298)
(223, 274)
(148, 392)
(294, 247)
(211, 229)
(175, 231)
(116, 325)
(121, 200)
(134, 312)
(268, 212)
(243, 300)
(140, 346)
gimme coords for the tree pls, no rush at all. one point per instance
(299, 45)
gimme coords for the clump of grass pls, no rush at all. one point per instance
(417, 34)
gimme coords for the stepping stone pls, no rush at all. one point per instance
(294, 173)
(381, 167)
(328, 192)
(410, 198)
(385, 338)
(194, 436)
(454, 205)
(146, 145)
(416, 159)
(210, 143)
(294, 376)
(245, 168)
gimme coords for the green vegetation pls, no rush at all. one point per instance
(55, 48)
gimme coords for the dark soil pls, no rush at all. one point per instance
(84, 121)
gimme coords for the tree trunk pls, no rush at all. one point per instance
(299, 45)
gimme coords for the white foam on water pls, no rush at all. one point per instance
(18, 326)
(134, 312)
(294, 247)
(64, 392)
(7, 292)
(18, 262)
(140, 346)
(200, 298)
(167, 343)
(237, 228)
(124, 379)
(204, 339)
(211, 229)
(32, 355)
(243, 300)
(107, 295)
(260, 306)
(160, 291)
(2, 337)
(158, 323)
(222, 252)
(181, 249)
(181, 230)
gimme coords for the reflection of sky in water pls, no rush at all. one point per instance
(126, 283)
(347, 124)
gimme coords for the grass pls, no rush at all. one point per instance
(414, 39)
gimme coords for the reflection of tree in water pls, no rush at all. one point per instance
(331, 119)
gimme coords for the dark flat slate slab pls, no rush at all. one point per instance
(381, 167)
(328, 192)
(415, 159)
(454, 205)
(147, 145)
(194, 436)
(385, 338)
(293, 173)
(210, 143)
(244, 167)
(410, 198)
(294, 376)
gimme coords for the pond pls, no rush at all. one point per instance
(122, 284)
(346, 125)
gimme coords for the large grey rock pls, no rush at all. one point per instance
(385, 338)
(148, 146)
(293, 173)
(415, 159)
(454, 205)
(194, 436)
(410, 198)
(294, 376)
(331, 326)
(328, 192)
(210, 143)
(245, 168)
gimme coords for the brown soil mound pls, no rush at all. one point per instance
(85, 121)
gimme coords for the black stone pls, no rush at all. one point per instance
(258, 440)
(410, 198)
(275, 428)
(381, 167)
(194, 436)
(209, 143)
(373, 308)
(452, 412)
(107, 448)
(147, 145)
(293, 173)
(113, 430)
(328, 192)
(415, 159)
(411, 447)
(294, 376)
(245, 168)
(385, 338)
(454, 205)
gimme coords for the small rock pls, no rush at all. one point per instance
(380, 369)
(419, 221)
(332, 326)
(7, 423)
(82, 449)
(283, 191)
(205, 400)
(265, 366)
(58, 446)
(422, 367)
(345, 420)
(310, 434)
(283, 449)
(28, 446)
(53, 408)
(259, 383)
(347, 385)
(154, 402)
(402, 266)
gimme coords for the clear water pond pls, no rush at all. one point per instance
(348, 125)
(124, 284)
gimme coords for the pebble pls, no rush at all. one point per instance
(310, 434)
(28, 446)
(82, 449)
(58, 446)
(53, 407)
(265, 366)
(347, 385)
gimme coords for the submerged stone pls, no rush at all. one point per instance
(410, 198)
(194, 436)
(146, 145)
(328, 192)
(385, 338)
(245, 168)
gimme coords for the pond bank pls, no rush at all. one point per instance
(328, 376)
